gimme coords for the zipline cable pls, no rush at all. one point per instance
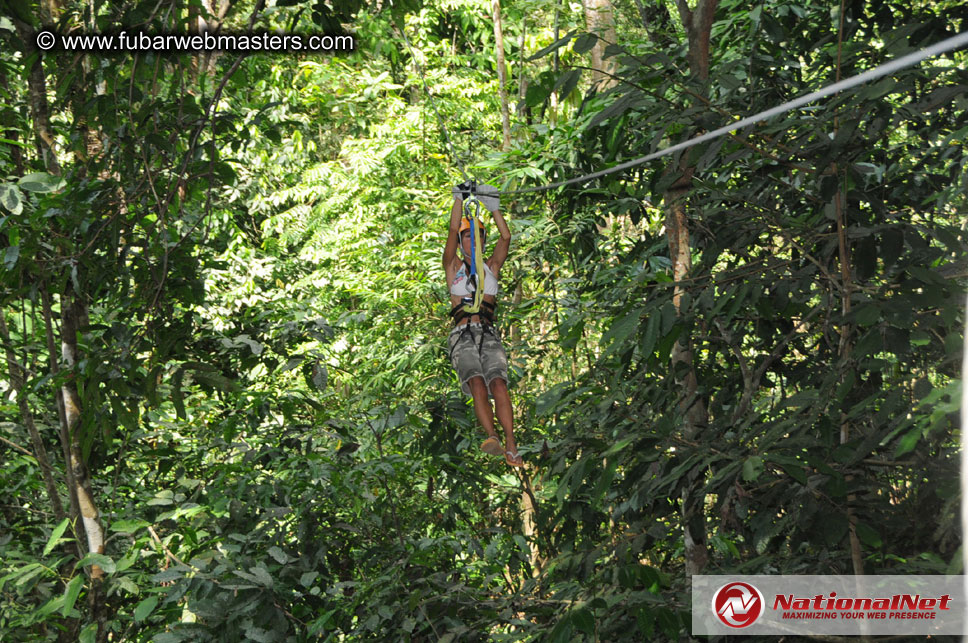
(433, 103)
(955, 42)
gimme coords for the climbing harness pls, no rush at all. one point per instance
(486, 312)
(474, 304)
(487, 328)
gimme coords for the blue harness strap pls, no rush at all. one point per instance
(476, 266)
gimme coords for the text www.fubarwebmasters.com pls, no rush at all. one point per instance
(173, 43)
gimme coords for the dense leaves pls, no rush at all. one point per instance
(268, 423)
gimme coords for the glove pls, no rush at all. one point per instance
(464, 190)
(489, 196)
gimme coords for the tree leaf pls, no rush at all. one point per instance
(869, 536)
(522, 545)
(145, 608)
(102, 561)
(72, 592)
(791, 466)
(562, 632)
(320, 376)
(547, 402)
(253, 345)
(651, 335)
(169, 575)
(867, 315)
(555, 45)
(262, 575)
(217, 381)
(752, 468)
(151, 385)
(891, 246)
(584, 43)
(55, 536)
(10, 257)
(908, 442)
(128, 526)
(88, 634)
(834, 528)
(307, 578)
(259, 635)
(279, 555)
(584, 621)
(40, 182)
(128, 585)
(164, 497)
(10, 198)
(536, 94)
(165, 637)
(622, 327)
(567, 82)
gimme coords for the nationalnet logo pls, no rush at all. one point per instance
(807, 605)
(897, 606)
(738, 604)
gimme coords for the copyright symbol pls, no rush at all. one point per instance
(46, 40)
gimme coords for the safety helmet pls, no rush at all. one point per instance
(465, 225)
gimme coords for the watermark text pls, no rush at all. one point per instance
(141, 41)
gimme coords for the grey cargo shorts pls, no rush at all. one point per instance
(471, 358)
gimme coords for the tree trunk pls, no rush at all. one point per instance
(64, 436)
(844, 350)
(964, 456)
(600, 20)
(72, 312)
(691, 406)
(554, 94)
(17, 380)
(205, 62)
(521, 109)
(698, 24)
(37, 94)
(51, 11)
(501, 74)
(846, 330)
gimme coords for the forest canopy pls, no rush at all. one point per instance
(227, 411)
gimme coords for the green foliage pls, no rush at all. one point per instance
(277, 445)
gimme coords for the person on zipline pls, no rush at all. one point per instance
(476, 352)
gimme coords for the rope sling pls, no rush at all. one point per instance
(477, 255)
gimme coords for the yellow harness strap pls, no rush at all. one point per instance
(477, 256)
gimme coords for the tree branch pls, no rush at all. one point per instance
(17, 447)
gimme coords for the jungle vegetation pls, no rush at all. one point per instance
(226, 409)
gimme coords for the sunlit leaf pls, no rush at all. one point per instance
(55, 536)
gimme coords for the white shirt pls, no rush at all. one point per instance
(458, 287)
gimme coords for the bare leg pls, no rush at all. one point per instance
(482, 405)
(505, 415)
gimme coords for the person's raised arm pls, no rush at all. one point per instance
(503, 243)
(450, 248)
